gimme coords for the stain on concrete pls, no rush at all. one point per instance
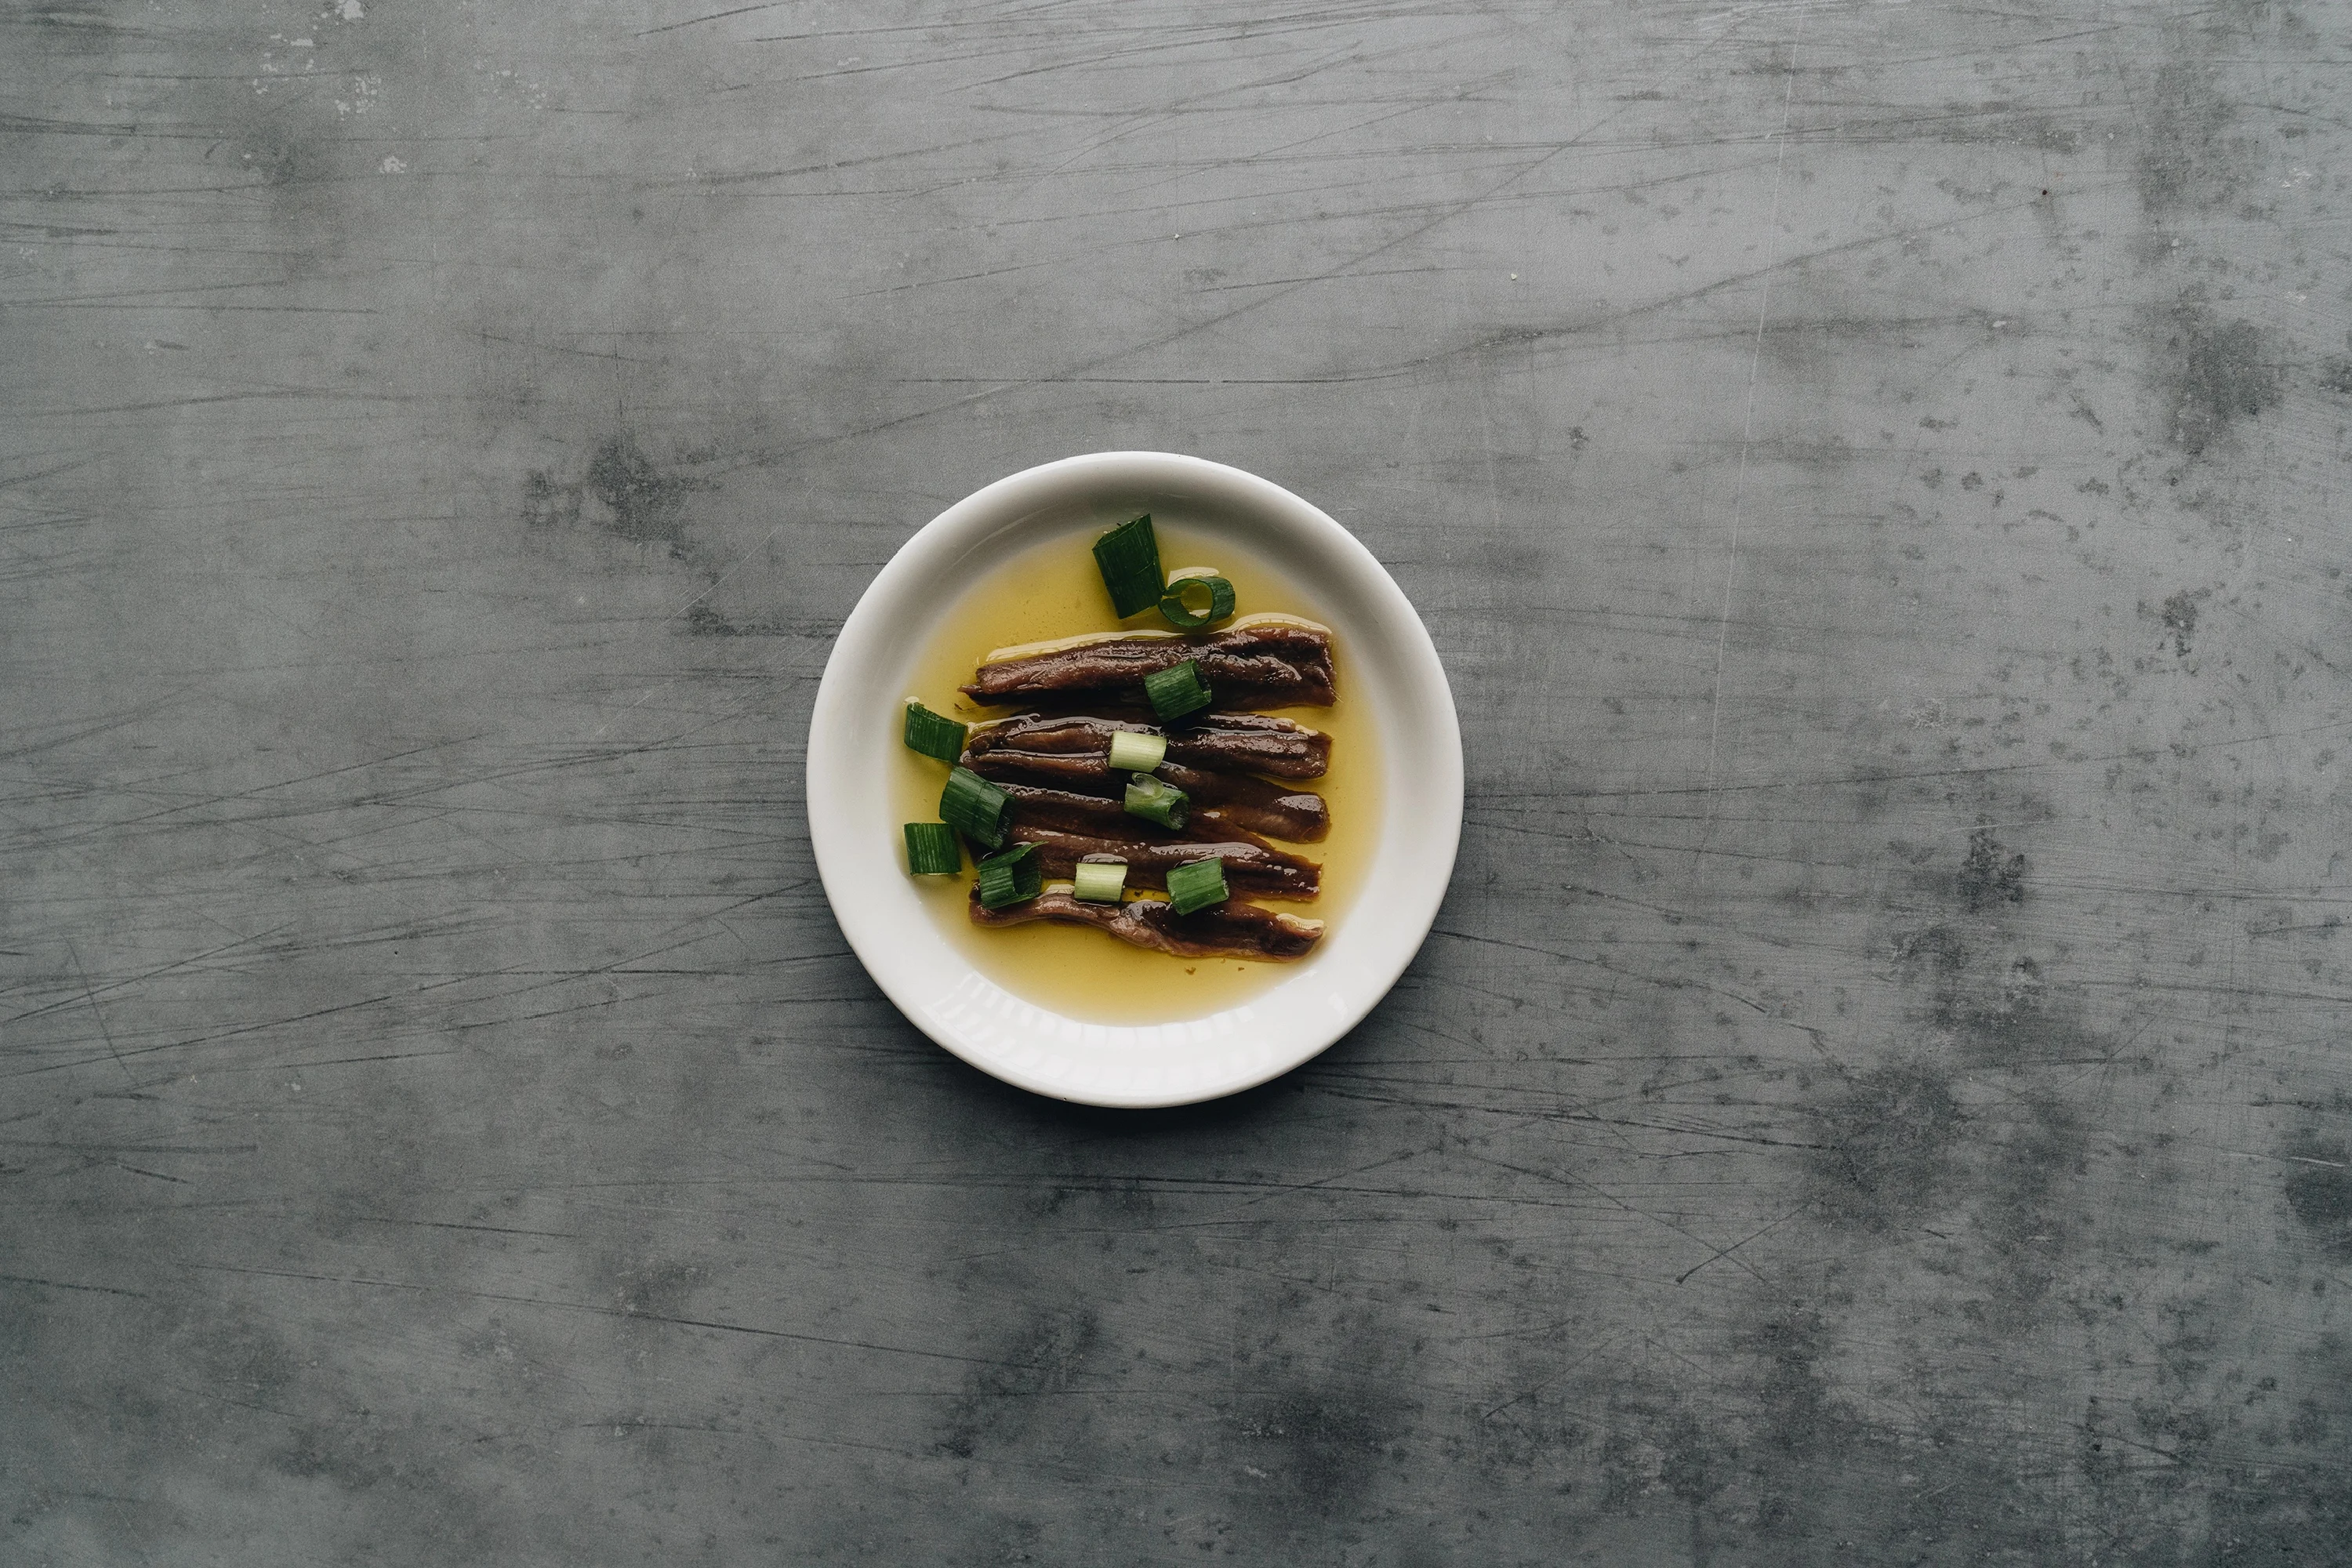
(2318, 1188)
(2284, 1499)
(2264, 1520)
(658, 1289)
(277, 155)
(1990, 874)
(349, 1455)
(546, 504)
(643, 503)
(1885, 1143)
(622, 491)
(2186, 160)
(1650, 1450)
(2000, 1007)
(2210, 373)
(1797, 1413)
(1321, 1443)
(703, 621)
(2024, 1216)
(1005, 1400)
(2179, 615)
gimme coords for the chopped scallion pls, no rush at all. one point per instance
(1130, 558)
(1177, 691)
(932, 849)
(1182, 616)
(974, 807)
(1154, 799)
(933, 734)
(1136, 751)
(1014, 878)
(1196, 885)
(1100, 881)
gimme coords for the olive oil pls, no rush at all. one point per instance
(1054, 591)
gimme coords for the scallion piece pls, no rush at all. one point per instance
(974, 807)
(1130, 558)
(1196, 885)
(933, 734)
(1177, 691)
(932, 849)
(1182, 616)
(1100, 881)
(1154, 799)
(1015, 876)
(1136, 751)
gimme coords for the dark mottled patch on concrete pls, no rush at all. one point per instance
(2280, 1493)
(2185, 157)
(2318, 1187)
(1885, 1139)
(1936, 951)
(622, 492)
(2210, 373)
(1005, 1400)
(546, 504)
(2336, 374)
(279, 156)
(656, 1289)
(644, 503)
(2179, 616)
(2024, 1216)
(1322, 1443)
(1651, 1452)
(1797, 1412)
(1998, 1005)
(702, 621)
(2294, 1520)
(1988, 875)
(351, 1455)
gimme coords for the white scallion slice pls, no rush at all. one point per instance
(1100, 881)
(1134, 751)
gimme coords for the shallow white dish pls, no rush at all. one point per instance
(1386, 659)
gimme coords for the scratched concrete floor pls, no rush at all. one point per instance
(1878, 1090)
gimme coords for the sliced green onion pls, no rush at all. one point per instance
(1197, 884)
(932, 849)
(1177, 691)
(1182, 616)
(974, 807)
(933, 734)
(1130, 558)
(1154, 799)
(1135, 752)
(1100, 881)
(1014, 878)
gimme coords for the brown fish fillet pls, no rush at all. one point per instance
(1274, 663)
(1230, 930)
(1252, 865)
(1214, 743)
(1076, 791)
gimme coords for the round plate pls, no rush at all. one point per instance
(1389, 663)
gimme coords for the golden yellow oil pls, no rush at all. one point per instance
(1054, 590)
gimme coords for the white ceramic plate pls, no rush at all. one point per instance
(1386, 659)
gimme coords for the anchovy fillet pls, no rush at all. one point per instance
(1212, 743)
(1230, 930)
(1080, 791)
(1252, 865)
(1271, 664)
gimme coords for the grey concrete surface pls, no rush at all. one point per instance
(1877, 1093)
